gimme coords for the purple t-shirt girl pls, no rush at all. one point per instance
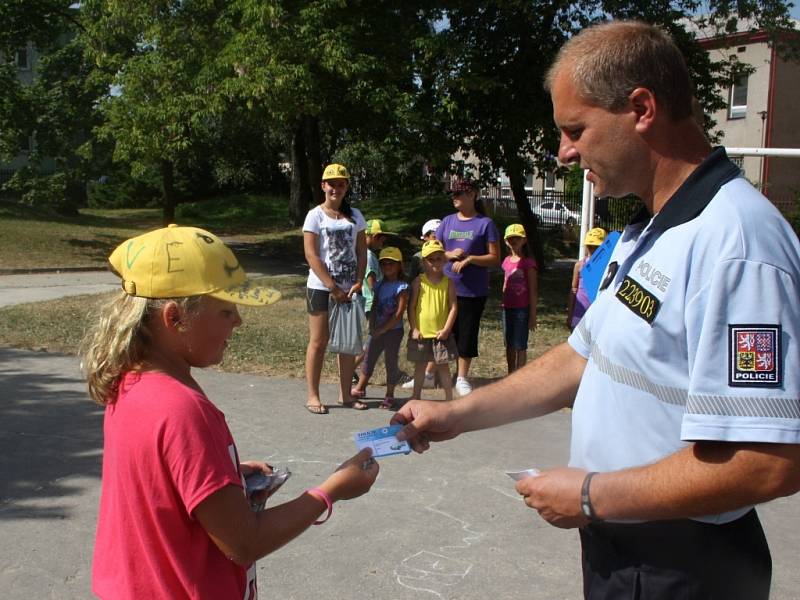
(473, 236)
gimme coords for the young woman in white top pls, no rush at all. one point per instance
(336, 251)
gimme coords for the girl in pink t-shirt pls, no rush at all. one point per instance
(520, 296)
(174, 519)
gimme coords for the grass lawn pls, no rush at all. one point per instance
(273, 339)
(33, 238)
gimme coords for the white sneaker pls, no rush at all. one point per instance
(463, 387)
(428, 383)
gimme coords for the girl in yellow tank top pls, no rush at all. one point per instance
(433, 306)
(431, 317)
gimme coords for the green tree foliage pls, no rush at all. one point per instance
(481, 75)
(222, 95)
(55, 108)
(330, 73)
(160, 59)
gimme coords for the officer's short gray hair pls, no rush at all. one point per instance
(608, 61)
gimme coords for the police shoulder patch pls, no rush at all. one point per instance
(754, 356)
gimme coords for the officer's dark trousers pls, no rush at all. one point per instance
(676, 560)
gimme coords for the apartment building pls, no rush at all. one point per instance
(762, 111)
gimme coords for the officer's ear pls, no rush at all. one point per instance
(644, 107)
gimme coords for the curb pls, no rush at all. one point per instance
(41, 270)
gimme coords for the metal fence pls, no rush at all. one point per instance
(553, 209)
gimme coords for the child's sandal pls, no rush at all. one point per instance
(388, 402)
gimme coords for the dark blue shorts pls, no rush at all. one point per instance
(316, 300)
(666, 560)
(515, 328)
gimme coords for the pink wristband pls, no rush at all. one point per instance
(321, 495)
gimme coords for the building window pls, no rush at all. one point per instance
(737, 105)
(23, 59)
(550, 180)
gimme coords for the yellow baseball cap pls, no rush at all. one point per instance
(431, 247)
(594, 237)
(515, 230)
(376, 227)
(335, 171)
(175, 262)
(391, 253)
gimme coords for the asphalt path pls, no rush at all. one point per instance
(445, 525)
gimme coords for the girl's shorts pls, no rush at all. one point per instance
(515, 328)
(468, 324)
(317, 300)
(422, 350)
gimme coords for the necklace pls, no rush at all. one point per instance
(331, 212)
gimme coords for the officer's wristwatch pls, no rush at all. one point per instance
(586, 501)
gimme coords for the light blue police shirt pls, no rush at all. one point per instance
(693, 329)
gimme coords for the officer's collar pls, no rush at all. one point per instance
(694, 194)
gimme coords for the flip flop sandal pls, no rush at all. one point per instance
(388, 402)
(317, 409)
(355, 404)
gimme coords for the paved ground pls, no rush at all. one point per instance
(445, 525)
(36, 287)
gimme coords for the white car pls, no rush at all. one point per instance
(553, 213)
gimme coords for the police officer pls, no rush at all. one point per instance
(686, 409)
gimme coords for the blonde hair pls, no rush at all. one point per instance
(608, 61)
(119, 341)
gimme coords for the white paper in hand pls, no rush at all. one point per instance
(517, 475)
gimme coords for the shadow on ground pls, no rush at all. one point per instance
(50, 433)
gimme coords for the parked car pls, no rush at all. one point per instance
(553, 213)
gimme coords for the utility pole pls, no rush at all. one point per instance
(761, 182)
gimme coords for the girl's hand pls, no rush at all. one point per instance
(338, 295)
(442, 334)
(415, 334)
(455, 254)
(459, 265)
(532, 322)
(353, 478)
(356, 289)
(253, 466)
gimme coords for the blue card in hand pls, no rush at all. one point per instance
(382, 440)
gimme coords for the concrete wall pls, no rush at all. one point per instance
(784, 173)
(747, 131)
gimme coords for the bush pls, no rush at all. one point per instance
(121, 190)
(55, 191)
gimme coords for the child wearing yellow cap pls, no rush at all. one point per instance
(432, 316)
(174, 520)
(335, 247)
(390, 301)
(520, 296)
(579, 301)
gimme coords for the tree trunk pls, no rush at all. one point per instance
(516, 179)
(299, 191)
(168, 191)
(314, 157)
